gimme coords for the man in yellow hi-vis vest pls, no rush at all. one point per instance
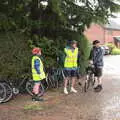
(38, 73)
(70, 65)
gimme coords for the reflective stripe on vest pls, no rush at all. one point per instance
(35, 75)
(71, 58)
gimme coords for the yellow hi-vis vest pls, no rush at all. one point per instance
(35, 75)
(71, 58)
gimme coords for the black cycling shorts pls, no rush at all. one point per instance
(98, 72)
(70, 73)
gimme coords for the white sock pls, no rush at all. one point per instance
(73, 90)
(65, 91)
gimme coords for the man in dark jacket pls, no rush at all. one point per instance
(96, 57)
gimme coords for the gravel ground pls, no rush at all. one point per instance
(81, 106)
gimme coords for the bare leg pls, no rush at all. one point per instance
(66, 82)
(65, 85)
(99, 80)
(73, 85)
(73, 81)
(36, 88)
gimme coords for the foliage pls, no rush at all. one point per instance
(75, 15)
(50, 49)
(111, 46)
(14, 57)
(85, 48)
(115, 51)
(47, 27)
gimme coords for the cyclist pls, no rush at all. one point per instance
(96, 57)
(70, 65)
(38, 73)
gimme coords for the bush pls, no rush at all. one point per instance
(115, 51)
(53, 48)
(85, 48)
(50, 49)
(15, 50)
(111, 46)
(15, 56)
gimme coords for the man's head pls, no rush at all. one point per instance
(73, 44)
(96, 43)
(36, 51)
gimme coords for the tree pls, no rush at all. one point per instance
(48, 26)
(59, 15)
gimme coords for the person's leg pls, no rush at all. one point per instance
(65, 85)
(66, 79)
(36, 92)
(74, 78)
(99, 78)
(36, 88)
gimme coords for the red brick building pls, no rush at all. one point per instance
(109, 33)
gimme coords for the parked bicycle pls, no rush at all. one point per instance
(54, 79)
(90, 77)
(2, 92)
(10, 90)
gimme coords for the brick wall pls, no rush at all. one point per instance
(109, 34)
(98, 32)
(95, 32)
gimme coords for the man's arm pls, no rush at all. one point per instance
(37, 66)
(100, 55)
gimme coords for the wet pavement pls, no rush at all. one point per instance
(95, 106)
(81, 106)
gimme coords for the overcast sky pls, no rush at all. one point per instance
(116, 19)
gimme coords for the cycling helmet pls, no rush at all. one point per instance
(36, 50)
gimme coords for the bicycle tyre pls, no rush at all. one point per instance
(2, 93)
(86, 86)
(51, 82)
(29, 88)
(9, 92)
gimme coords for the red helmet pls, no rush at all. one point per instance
(36, 50)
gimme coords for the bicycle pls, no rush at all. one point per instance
(90, 78)
(2, 92)
(10, 89)
(54, 79)
(30, 85)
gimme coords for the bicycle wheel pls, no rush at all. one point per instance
(45, 84)
(87, 84)
(93, 80)
(2, 92)
(9, 92)
(30, 85)
(51, 82)
(60, 78)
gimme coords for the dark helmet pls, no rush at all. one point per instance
(96, 42)
(69, 42)
(73, 42)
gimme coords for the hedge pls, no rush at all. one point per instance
(115, 51)
(15, 50)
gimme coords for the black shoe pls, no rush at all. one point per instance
(36, 98)
(80, 84)
(98, 88)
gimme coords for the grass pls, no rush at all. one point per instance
(33, 107)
